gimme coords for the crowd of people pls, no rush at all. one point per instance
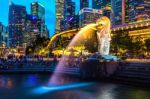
(21, 61)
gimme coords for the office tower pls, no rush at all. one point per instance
(84, 4)
(76, 21)
(59, 14)
(33, 29)
(104, 6)
(99, 4)
(17, 17)
(139, 10)
(38, 10)
(4, 35)
(120, 12)
(69, 15)
(87, 16)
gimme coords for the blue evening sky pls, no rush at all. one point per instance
(49, 6)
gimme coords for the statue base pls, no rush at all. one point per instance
(100, 67)
(110, 57)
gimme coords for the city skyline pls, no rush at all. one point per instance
(49, 6)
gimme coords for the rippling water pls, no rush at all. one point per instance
(38, 87)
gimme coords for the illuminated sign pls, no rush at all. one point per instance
(34, 17)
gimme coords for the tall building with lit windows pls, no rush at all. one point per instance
(120, 11)
(126, 4)
(38, 11)
(17, 18)
(104, 6)
(87, 16)
(59, 14)
(3, 35)
(84, 4)
(33, 29)
(98, 4)
(139, 10)
(69, 15)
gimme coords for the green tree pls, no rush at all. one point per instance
(37, 45)
(137, 46)
(147, 44)
(120, 41)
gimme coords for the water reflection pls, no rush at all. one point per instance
(60, 79)
(38, 87)
(6, 83)
(107, 92)
(54, 88)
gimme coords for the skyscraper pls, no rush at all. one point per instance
(69, 15)
(139, 10)
(125, 5)
(38, 10)
(87, 16)
(17, 17)
(59, 14)
(1, 31)
(84, 4)
(69, 8)
(76, 21)
(98, 4)
(33, 29)
(4, 35)
(120, 12)
(104, 6)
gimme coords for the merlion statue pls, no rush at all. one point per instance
(103, 35)
(102, 28)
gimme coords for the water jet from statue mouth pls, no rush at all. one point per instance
(103, 36)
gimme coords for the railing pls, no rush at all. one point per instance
(138, 60)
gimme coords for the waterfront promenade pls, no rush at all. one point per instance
(128, 71)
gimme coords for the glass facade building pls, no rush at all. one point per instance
(139, 10)
(120, 12)
(38, 11)
(87, 16)
(127, 11)
(3, 35)
(59, 14)
(84, 4)
(69, 15)
(17, 18)
(104, 6)
(33, 29)
(98, 4)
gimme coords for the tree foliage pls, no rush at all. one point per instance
(123, 43)
(37, 45)
(147, 44)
